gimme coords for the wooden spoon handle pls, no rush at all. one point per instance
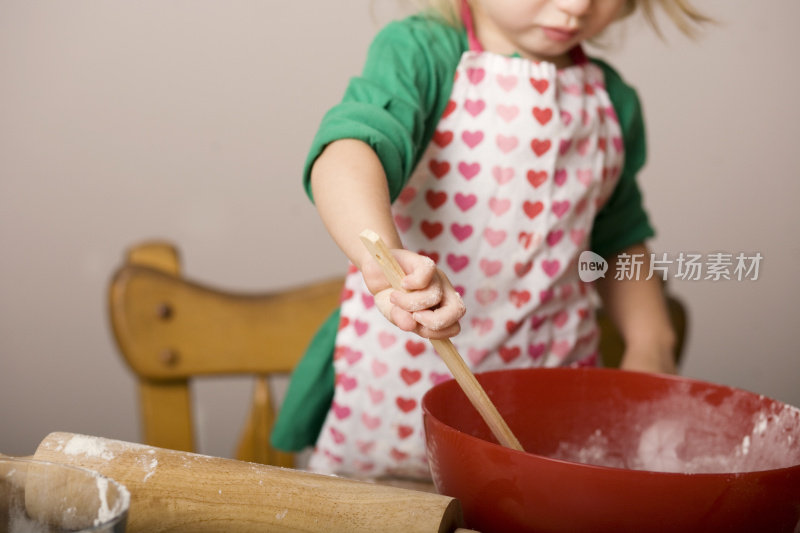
(461, 372)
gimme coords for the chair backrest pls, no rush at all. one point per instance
(170, 329)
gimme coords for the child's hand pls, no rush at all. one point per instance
(431, 307)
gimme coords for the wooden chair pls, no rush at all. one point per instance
(170, 329)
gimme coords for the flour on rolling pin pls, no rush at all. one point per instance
(68, 518)
(87, 446)
(42, 497)
(77, 515)
(149, 467)
(92, 447)
(104, 513)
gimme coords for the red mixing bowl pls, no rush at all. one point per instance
(667, 454)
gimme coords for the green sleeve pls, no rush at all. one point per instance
(622, 221)
(395, 104)
(310, 393)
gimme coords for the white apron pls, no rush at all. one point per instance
(503, 200)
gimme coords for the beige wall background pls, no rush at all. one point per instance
(190, 121)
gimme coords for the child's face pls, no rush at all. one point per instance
(541, 29)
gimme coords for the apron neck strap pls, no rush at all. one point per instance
(576, 53)
(466, 17)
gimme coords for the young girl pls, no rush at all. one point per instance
(488, 151)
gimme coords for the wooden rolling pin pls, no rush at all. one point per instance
(182, 492)
(69, 498)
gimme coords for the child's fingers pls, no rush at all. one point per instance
(445, 316)
(420, 270)
(431, 310)
(439, 324)
(406, 321)
(446, 333)
(418, 300)
(403, 319)
(397, 316)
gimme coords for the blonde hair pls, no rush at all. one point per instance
(685, 16)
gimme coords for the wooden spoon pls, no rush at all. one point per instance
(461, 372)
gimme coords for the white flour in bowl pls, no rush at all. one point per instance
(694, 436)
